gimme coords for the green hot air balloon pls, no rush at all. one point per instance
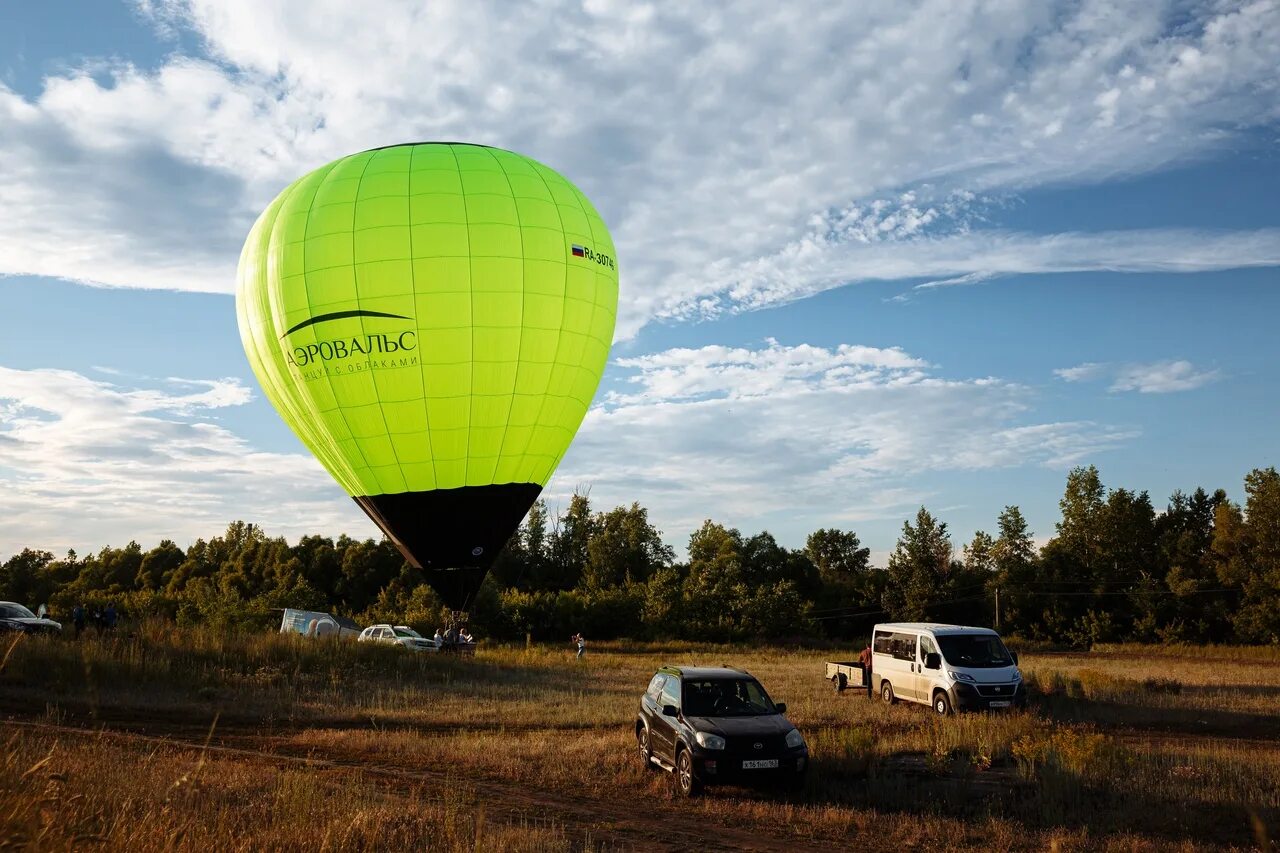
(432, 321)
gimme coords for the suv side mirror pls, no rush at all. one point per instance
(1014, 655)
(933, 660)
(670, 711)
(780, 707)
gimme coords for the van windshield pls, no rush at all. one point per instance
(974, 650)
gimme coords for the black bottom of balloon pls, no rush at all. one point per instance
(454, 535)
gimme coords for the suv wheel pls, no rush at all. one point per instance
(645, 750)
(941, 703)
(886, 693)
(686, 783)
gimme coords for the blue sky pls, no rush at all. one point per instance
(936, 256)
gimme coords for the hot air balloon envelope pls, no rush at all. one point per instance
(432, 321)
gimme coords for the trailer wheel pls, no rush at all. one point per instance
(839, 682)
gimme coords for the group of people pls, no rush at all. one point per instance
(453, 637)
(104, 619)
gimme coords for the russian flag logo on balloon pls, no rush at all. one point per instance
(579, 251)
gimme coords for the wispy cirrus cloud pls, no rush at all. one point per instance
(781, 435)
(1157, 377)
(713, 139)
(145, 463)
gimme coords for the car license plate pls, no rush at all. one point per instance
(1002, 704)
(761, 764)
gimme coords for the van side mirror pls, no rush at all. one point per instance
(670, 711)
(1014, 655)
(781, 706)
(933, 660)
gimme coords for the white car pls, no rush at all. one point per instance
(400, 635)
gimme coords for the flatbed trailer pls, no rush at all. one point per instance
(845, 674)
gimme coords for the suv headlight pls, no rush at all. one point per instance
(795, 739)
(960, 676)
(709, 741)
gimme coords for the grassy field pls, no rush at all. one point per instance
(167, 739)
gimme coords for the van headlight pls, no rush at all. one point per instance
(795, 740)
(960, 676)
(1017, 675)
(709, 741)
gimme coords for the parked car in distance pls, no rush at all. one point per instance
(311, 623)
(716, 724)
(400, 635)
(15, 617)
(948, 667)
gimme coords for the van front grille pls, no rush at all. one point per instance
(995, 691)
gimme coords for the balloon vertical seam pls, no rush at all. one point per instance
(515, 382)
(299, 402)
(373, 381)
(471, 294)
(555, 359)
(413, 282)
(357, 478)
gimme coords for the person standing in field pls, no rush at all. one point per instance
(865, 660)
(582, 644)
(77, 619)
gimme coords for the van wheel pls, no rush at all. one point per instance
(839, 683)
(886, 693)
(686, 782)
(941, 703)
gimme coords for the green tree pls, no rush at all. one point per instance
(980, 553)
(1014, 566)
(22, 578)
(838, 554)
(624, 548)
(918, 568)
(1246, 549)
(158, 565)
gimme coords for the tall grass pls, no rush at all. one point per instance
(1124, 749)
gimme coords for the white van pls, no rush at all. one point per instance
(949, 667)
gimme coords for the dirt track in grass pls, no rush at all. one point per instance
(615, 824)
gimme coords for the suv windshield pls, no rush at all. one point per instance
(726, 697)
(407, 632)
(15, 611)
(975, 650)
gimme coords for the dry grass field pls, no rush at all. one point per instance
(185, 740)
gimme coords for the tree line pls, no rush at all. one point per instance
(1203, 569)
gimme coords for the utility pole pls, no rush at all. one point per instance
(997, 608)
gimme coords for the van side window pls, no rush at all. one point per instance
(883, 643)
(926, 648)
(904, 646)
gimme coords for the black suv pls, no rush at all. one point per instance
(713, 724)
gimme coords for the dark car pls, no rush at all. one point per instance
(15, 617)
(711, 725)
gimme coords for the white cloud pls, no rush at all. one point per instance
(709, 138)
(1081, 372)
(784, 435)
(1162, 377)
(147, 464)
(821, 261)
(1157, 377)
